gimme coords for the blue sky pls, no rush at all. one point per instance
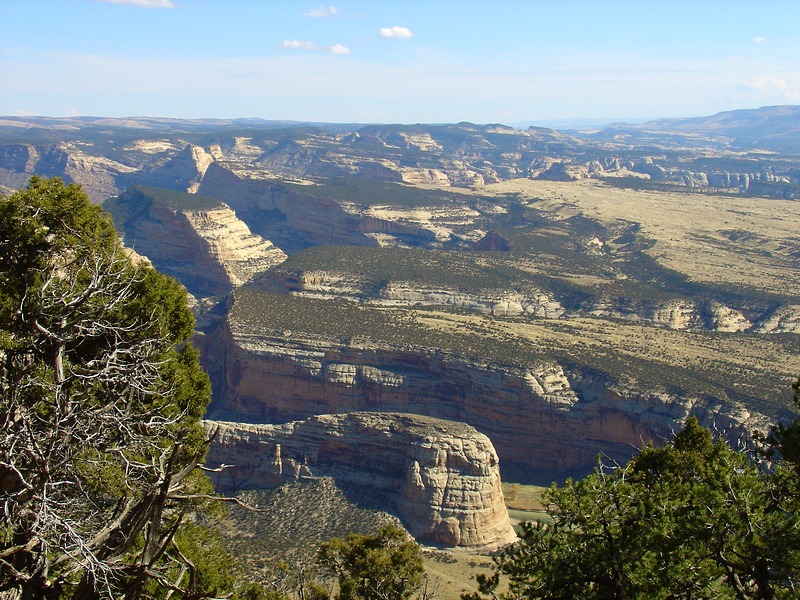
(401, 61)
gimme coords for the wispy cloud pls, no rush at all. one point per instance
(306, 45)
(323, 12)
(759, 40)
(396, 32)
(144, 3)
(775, 88)
(297, 44)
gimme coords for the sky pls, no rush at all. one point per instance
(409, 61)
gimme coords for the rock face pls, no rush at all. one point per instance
(182, 172)
(241, 253)
(329, 284)
(444, 475)
(675, 314)
(492, 241)
(295, 221)
(205, 246)
(541, 418)
(98, 175)
(785, 319)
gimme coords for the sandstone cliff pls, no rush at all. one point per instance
(294, 220)
(443, 475)
(676, 314)
(98, 175)
(183, 172)
(199, 241)
(544, 417)
(351, 287)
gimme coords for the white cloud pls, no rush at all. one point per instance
(396, 32)
(323, 12)
(298, 45)
(144, 3)
(759, 40)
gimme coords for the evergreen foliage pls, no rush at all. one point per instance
(694, 519)
(99, 418)
(384, 566)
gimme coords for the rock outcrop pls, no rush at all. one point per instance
(329, 284)
(443, 475)
(542, 418)
(492, 242)
(674, 314)
(294, 220)
(183, 172)
(679, 314)
(202, 243)
(98, 175)
(784, 319)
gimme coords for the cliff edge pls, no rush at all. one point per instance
(444, 476)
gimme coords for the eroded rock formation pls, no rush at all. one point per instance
(183, 172)
(544, 417)
(444, 475)
(206, 247)
(674, 314)
(678, 314)
(347, 286)
(294, 220)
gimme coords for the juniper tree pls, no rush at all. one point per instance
(101, 398)
(384, 566)
(693, 519)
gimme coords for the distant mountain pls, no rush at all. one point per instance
(755, 152)
(38, 127)
(775, 128)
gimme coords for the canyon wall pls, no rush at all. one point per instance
(443, 476)
(293, 220)
(207, 248)
(681, 314)
(543, 418)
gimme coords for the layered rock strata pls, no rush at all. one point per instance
(183, 172)
(209, 250)
(443, 475)
(346, 286)
(541, 418)
(295, 221)
(677, 314)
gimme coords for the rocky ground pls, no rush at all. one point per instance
(294, 519)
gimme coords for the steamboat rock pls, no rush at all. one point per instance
(443, 475)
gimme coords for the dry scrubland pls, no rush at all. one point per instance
(710, 238)
(297, 518)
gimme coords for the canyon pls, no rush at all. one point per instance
(737, 152)
(542, 418)
(465, 301)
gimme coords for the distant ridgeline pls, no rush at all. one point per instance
(744, 151)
